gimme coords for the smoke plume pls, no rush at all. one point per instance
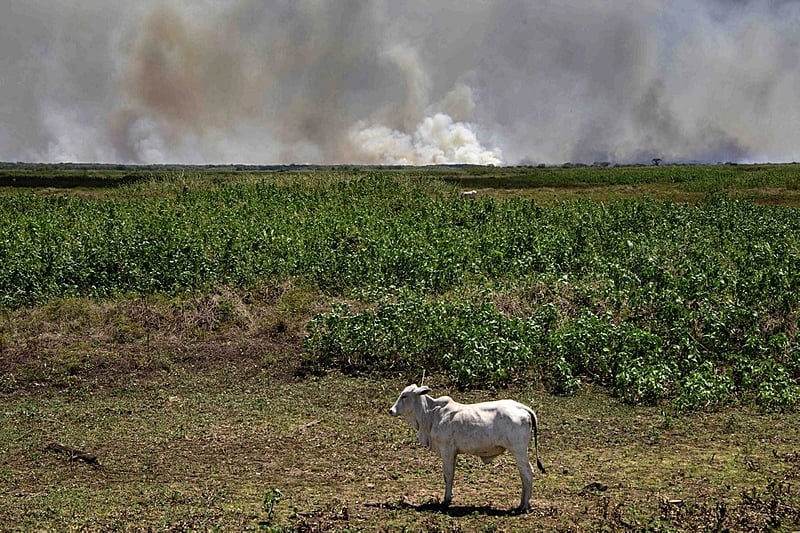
(417, 82)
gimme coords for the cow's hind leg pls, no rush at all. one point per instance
(526, 475)
(449, 467)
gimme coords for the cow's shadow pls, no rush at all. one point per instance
(458, 510)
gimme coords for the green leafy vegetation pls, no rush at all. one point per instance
(471, 341)
(654, 300)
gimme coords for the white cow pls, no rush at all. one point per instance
(469, 194)
(485, 429)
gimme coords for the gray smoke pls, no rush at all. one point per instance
(415, 82)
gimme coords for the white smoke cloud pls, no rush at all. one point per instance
(425, 134)
(436, 140)
(418, 82)
(440, 140)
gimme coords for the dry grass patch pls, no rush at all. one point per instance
(79, 342)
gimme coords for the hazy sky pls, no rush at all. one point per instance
(412, 82)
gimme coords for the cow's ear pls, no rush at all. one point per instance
(422, 390)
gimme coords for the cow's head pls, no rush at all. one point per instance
(405, 402)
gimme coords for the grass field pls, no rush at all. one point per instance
(201, 405)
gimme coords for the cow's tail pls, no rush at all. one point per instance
(535, 431)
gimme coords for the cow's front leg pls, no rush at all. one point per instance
(449, 467)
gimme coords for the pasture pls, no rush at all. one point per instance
(223, 345)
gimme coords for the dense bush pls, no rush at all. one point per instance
(474, 344)
(470, 341)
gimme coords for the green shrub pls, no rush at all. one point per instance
(470, 342)
(704, 387)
